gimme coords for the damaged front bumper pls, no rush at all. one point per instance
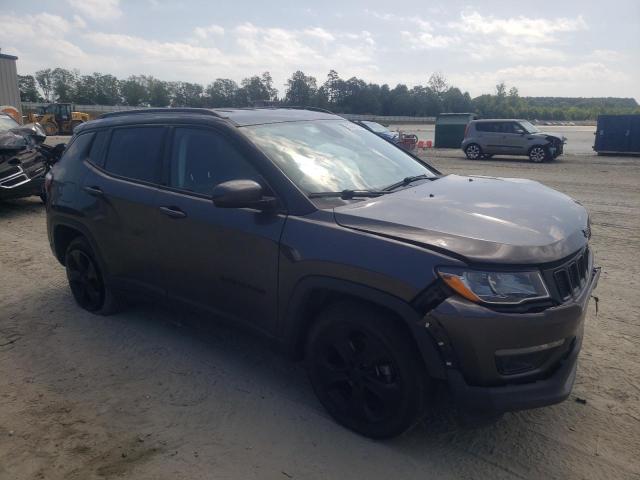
(498, 362)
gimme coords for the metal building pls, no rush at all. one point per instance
(9, 93)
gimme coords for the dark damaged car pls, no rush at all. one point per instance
(390, 279)
(24, 159)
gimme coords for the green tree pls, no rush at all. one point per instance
(301, 89)
(257, 89)
(64, 83)
(28, 89)
(45, 82)
(134, 91)
(223, 92)
(187, 94)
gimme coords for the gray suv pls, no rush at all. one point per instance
(390, 279)
(486, 138)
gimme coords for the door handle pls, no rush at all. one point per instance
(95, 191)
(173, 212)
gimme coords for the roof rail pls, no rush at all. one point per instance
(279, 107)
(141, 111)
(313, 109)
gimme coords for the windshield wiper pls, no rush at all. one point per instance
(406, 181)
(348, 194)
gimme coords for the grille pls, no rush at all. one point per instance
(573, 275)
(15, 181)
(9, 172)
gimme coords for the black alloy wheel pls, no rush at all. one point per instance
(365, 372)
(85, 280)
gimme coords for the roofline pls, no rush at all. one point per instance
(8, 57)
(500, 120)
(142, 111)
(208, 111)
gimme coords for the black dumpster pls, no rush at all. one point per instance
(618, 134)
(450, 129)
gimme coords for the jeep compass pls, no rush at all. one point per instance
(389, 278)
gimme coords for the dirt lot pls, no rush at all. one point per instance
(147, 395)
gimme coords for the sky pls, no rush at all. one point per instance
(544, 48)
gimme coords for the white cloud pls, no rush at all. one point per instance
(569, 80)
(43, 32)
(319, 33)
(533, 30)
(605, 55)
(79, 22)
(97, 9)
(205, 32)
(427, 40)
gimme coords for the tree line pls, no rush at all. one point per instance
(340, 95)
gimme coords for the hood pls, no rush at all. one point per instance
(483, 219)
(562, 138)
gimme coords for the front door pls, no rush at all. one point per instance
(514, 139)
(223, 259)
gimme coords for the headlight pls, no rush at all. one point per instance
(495, 287)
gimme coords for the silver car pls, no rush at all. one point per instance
(486, 138)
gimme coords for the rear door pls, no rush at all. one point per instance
(222, 259)
(119, 190)
(489, 136)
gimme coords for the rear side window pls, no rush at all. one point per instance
(484, 127)
(495, 127)
(79, 148)
(135, 153)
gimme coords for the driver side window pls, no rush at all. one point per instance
(202, 158)
(516, 128)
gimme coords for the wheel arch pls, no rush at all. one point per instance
(312, 294)
(64, 231)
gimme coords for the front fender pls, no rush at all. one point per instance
(311, 294)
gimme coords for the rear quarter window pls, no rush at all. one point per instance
(78, 148)
(98, 147)
(136, 153)
(485, 127)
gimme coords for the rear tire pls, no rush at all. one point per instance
(538, 154)
(366, 371)
(473, 151)
(86, 280)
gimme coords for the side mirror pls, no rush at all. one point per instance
(241, 194)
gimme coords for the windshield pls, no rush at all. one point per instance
(334, 155)
(7, 123)
(529, 127)
(376, 127)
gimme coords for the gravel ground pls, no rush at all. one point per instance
(149, 394)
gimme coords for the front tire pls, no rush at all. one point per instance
(366, 370)
(473, 151)
(86, 280)
(538, 154)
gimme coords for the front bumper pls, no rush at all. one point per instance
(470, 336)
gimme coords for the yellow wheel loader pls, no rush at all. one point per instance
(58, 118)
